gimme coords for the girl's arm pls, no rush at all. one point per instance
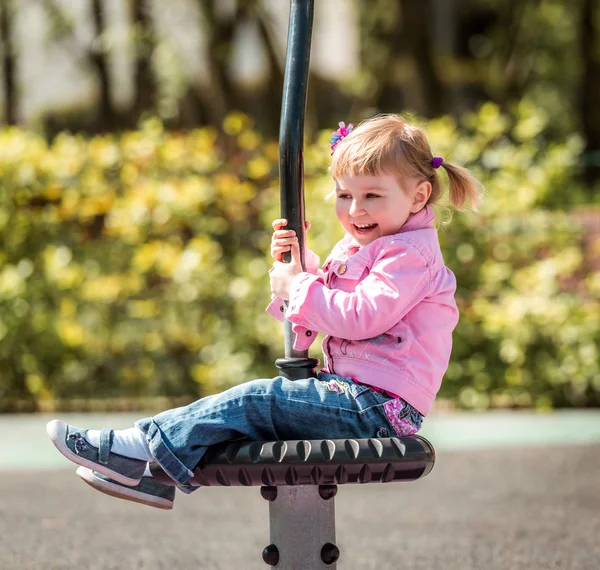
(398, 280)
(312, 260)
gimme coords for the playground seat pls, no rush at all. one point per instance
(300, 478)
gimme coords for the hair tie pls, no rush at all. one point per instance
(340, 134)
(436, 161)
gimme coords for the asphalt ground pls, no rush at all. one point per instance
(532, 507)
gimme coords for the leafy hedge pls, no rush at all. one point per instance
(135, 266)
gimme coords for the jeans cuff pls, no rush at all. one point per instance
(174, 468)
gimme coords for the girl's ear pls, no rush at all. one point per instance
(420, 197)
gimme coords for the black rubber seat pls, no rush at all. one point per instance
(312, 462)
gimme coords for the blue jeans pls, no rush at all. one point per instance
(325, 407)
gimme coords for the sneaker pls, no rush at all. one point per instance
(147, 492)
(71, 442)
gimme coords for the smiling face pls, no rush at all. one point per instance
(373, 206)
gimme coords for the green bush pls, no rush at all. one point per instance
(135, 266)
(529, 334)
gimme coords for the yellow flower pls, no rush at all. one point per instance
(143, 309)
(105, 288)
(258, 167)
(249, 140)
(234, 123)
(70, 332)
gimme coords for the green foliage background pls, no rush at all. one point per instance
(135, 266)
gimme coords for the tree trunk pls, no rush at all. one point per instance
(219, 95)
(590, 89)
(9, 66)
(145, 83)
(403, 65)
(272, 94)
(417, 41)
(98, 59)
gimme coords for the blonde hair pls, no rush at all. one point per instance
(387, 143)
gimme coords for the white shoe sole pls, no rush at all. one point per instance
(127, 494)
(57, 432)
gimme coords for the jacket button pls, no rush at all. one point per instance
(308, 333)
(342, 269)
(281, 308)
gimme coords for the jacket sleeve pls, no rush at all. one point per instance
(312, 263)
(398, 280)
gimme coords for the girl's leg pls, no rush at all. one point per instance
(276, 409)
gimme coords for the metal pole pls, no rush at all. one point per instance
(296, 364)
(301, 518)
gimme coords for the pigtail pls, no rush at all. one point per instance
(463, 187)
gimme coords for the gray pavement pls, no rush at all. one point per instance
(536, 506)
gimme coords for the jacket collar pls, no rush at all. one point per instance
(422, 219)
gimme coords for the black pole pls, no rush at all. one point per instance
(296, 364)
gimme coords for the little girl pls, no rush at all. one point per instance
(384, 299)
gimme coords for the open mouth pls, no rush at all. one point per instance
(363, 229)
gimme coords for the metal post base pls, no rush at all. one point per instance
(302, 525)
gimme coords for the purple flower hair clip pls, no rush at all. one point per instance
(436, 162)
(340, 134)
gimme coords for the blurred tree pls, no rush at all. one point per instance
(411, 48)
(590, 89)
(94, 55)
(429, 57)
(515, 47)
(219, 26)
(220, 93)
(401, 55)
(9, 63)
(145, 84)
(529, 51)
(97, 56)
(271, 99)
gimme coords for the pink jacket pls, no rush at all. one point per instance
(388, 311)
